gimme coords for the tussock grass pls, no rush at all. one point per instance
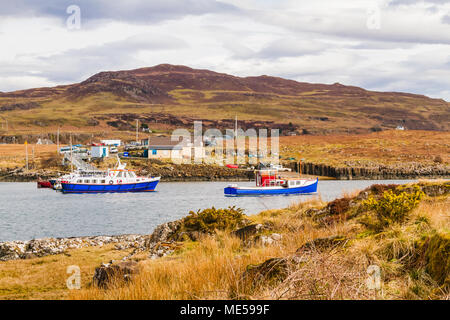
(407, 252)
(213, 267)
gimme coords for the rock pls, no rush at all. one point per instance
(165, 231)
(321, 244)
(160, 250)
(246, 232)
(268, 240)
(13, 250)
(270, 271)
(114, 273)
(276, 236)
(436, 190)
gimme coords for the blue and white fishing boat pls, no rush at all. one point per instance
(110, 181)
(269, 182)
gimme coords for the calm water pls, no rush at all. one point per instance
(30, 213)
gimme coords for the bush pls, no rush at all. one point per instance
(339, 206)
(438, 159)
(393, 207)
(209, 220)
(378, 189)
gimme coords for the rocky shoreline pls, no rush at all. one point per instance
(379, 172)
(168, 173)
(16, 250)
(185, 173)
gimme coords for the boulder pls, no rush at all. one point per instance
(267, 240)
(165, 232)
(160, 250)
(321, 244)
(114, 273)
(269, 272)
(247, 232)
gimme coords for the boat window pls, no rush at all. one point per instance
(94, 181)
(80, 181)
(86, 181)
(103, 181)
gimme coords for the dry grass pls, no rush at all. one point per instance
(45, 278)
(212, 268)
(14, 155)
(366, 150)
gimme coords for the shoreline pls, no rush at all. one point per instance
(212, 173)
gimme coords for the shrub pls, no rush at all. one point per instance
(378, 189)
(212, 219)
(438, 159)
(393, 207)
(339, 206)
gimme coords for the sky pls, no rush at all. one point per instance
(382, 45)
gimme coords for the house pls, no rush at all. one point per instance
(99, 151)
(162, 147)
(115, 143)
(400, 128)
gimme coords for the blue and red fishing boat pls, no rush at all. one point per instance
(110, 181)
(269, 182)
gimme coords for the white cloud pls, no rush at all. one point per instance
(323, 41)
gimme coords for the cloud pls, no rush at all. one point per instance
(132, 11)
(77, 64)
(324, 41)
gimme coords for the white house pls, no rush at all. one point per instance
(111, 142)
(99, 151)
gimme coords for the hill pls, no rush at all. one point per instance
(166, 96)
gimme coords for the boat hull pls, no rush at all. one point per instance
(244, 191)
(44, 184)
(146, 186)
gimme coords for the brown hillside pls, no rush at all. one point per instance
(187, 94)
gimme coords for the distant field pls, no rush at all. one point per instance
(363, 150)
(12, 155)
(385, 148)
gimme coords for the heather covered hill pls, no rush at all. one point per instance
(186, 94)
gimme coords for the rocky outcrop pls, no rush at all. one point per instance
(377, 172)
(21, 175)
(321, 244)
(114, 273)
(189, 172)
(13, 250)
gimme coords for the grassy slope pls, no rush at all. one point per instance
(356, 112)
(45, 278)
(213, 266)
(369, 150)
(383, 148)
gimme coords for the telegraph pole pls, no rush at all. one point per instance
(71, 155)
(26, 153)
(137, 130)
(57, 141)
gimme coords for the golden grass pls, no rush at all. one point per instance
(45, 278)
(366, 150)
(12, 155)
(212, 267)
